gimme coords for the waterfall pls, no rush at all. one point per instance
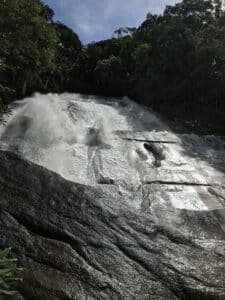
(108, 142)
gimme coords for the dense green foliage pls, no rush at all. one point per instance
(8, 274)
(27, 47)
(36, 54)
(174, 62)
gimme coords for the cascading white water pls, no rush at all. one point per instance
(64, 133)
(105, 142)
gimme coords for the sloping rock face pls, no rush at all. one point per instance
(80, 242)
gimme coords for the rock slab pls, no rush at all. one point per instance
(81, 242)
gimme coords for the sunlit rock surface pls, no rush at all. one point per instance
(100, 200)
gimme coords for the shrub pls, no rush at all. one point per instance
(8, 274)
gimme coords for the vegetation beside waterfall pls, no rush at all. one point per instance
(174, 62)
(8, 274)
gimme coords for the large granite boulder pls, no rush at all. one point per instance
(82, 242)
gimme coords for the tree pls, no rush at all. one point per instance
(68, 49)
(27, 45)
(123, 31)
(110, 75)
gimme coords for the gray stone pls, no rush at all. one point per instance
(81, 242)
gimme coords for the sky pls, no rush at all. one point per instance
(95, 20)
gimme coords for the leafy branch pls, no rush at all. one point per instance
(8, 274)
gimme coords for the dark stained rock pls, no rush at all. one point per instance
(79, 242)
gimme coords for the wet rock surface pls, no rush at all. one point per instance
(125, 209)
(85, 242)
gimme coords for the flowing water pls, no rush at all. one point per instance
(119, 146)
